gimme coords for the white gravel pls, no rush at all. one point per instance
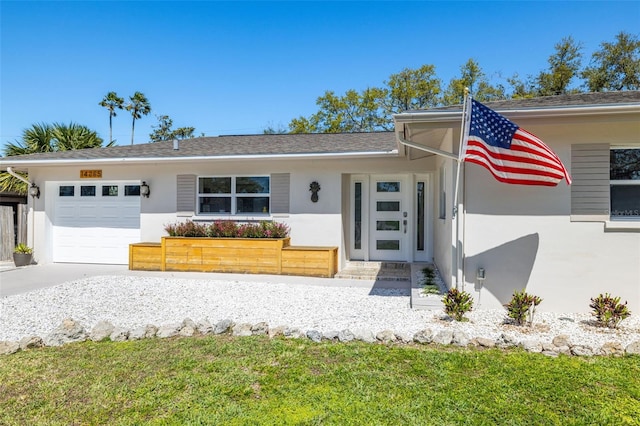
(132, 301)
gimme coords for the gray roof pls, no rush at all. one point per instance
(574, 100)
(223, 146)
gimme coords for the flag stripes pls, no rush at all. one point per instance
(511, 154)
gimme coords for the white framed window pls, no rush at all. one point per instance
(442, 193)
(624, 181)
(233, 195)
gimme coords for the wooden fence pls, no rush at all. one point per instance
(9, 227)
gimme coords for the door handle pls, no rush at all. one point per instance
(404, 222)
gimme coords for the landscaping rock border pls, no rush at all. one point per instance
(71, 331)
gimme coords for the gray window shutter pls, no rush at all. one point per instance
(280, 187)
(186, 193)
(590, 188)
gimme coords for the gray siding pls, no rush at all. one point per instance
(590, 187)
(186, 193)
(280, 188)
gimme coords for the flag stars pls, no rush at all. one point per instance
(495, 129)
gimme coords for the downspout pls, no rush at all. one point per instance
(17, 176)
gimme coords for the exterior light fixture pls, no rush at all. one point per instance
(481, 275)
(144, 189)
(34, 190)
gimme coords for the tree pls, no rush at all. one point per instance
(522, 89)
(112, 102)
(302, 125)
(371, 109)
(473, 78)
(37, 138)
(411, 89)
(352, 112)
(564, 65)
(163, 131)
(272, 129)
(184, 132)
(138, 106)
(75, 136)
(616, 66)
(42, 137)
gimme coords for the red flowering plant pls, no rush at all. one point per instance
(228, 229)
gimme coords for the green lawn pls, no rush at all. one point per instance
(254, 380)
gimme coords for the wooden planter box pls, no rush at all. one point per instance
(235, 255)
(240, 255)
(310, 261)
(145, 257)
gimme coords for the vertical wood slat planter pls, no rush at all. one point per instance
(234, 255)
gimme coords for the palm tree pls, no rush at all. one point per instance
(112, 102)
(42, 137)
(75, 136)
(138, 107)
(37, 138)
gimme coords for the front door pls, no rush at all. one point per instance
(380, 218)
(389, 219)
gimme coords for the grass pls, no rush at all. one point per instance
(258, 381)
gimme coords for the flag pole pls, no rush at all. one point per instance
(464, 133)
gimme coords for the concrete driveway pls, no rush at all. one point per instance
(34, 277)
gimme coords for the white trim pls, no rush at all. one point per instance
(120, 160)
(363, 252)
(233, 196)
(425, 255)
(586, 110)
(628, 225)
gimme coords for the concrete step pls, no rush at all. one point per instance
(380, 271)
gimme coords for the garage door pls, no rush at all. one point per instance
(95, 222)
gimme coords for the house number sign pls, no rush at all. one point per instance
(90, 174)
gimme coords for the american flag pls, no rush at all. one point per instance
(510, 153)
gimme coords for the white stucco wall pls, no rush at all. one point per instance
(523, 236)
(311, 223)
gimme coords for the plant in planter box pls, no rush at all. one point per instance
(22, 255)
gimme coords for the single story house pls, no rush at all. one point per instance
(383, 196)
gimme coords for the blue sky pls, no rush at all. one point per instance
(238, 67)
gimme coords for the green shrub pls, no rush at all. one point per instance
(228, 229)
(223, 229)
(608, 310)
(522, 307)
(186, 229)
(429, 285)
(457, 303)
(23, 248)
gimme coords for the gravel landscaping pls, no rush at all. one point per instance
(130, 302)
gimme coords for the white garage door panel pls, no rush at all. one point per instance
(94, 245)
(95, 229)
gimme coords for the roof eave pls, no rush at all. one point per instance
(6, 162)
(447, 116)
